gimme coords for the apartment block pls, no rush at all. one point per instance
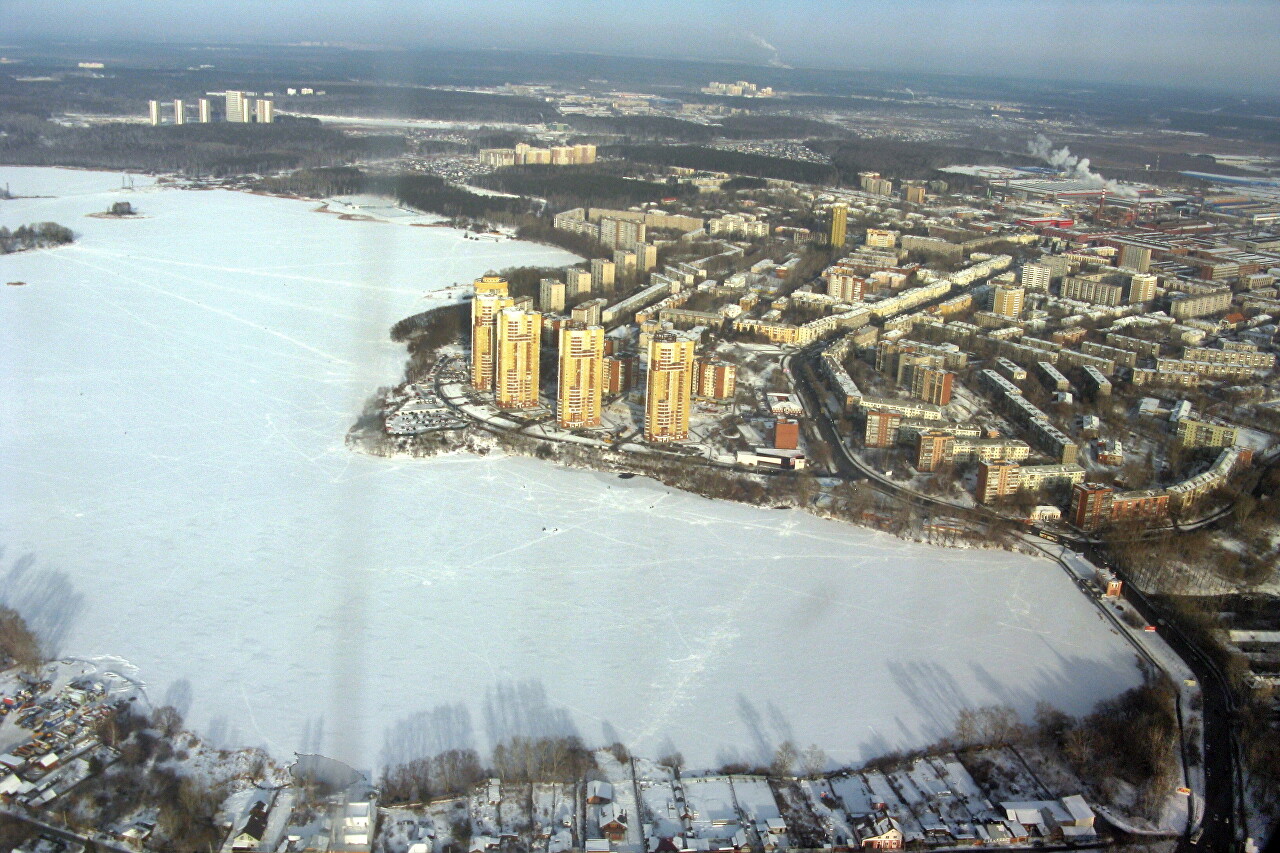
(516, 369)
(1006, 301)
(619, 373)
(714, 380)
(580, 386)
(1194, 433)
(491, 298)
(669, 388)
(603, 274)
(551, 295)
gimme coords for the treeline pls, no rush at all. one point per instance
(213, 150)
(575, 186)
(18, 645)
(900, 159)
(716, 160)
(419, 102)
(518, 759)
(424, 192)
(1133, 737)
(38, 236)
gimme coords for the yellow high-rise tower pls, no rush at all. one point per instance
(839, 217)
(491, 297)
(516, 372)
(490, 284)
(669, 388)
(580, 387)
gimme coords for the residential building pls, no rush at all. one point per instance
(1142, 288)
(669, 387)
(619, 373)
(997, 479)
(881, 238)
(934, 450)
(1184, 306)
(581, 380)
(516, 368)
(1090, 505)
(179, 111)
(237, 107)
(1135, 257)
(714, 380)
(1194, 433)
(205, 109)
(839, 220)
(932, 385)
(603, 274)
(881, 428)
(265, 111)
(551, 295)
(1036, 277)
(588, 313)
(1006, 301)
(153, 113)
(577, 282)
(646, 257)
(1091, 290)
(624, 262)
(621, 233)
(491, 298)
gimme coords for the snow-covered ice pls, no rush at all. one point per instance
(177, 493)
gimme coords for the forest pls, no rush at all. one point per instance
(215, 150)
(716, 160)
(572, 186)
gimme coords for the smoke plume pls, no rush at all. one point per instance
(773, 51)
(1075, 167)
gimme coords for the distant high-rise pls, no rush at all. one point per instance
(519, 340)
(154, 112)
(602, 274)
(646, 256)
(839, 219)
(206, 111)
(669, 388)
(580, 387)
(1134, 257)
(179, 111)
(266, 111)
(1006, 301)
(1036, 277)
(577, 281)
(1142, 288)
(491, 297)
(551, 295)
(237, 107)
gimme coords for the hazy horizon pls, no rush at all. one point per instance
(1220, 44)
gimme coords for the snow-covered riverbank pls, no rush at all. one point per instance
(177, 390)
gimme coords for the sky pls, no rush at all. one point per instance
(1203, 43)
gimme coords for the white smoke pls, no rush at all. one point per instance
(1075, 167)
(773, 51)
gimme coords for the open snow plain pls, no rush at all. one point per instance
(176, 493)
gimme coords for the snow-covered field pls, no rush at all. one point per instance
(176, 493)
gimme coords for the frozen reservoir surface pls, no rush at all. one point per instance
(177, 495)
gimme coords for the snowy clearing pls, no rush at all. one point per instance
(178, 494)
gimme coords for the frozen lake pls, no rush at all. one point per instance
(176, 493)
